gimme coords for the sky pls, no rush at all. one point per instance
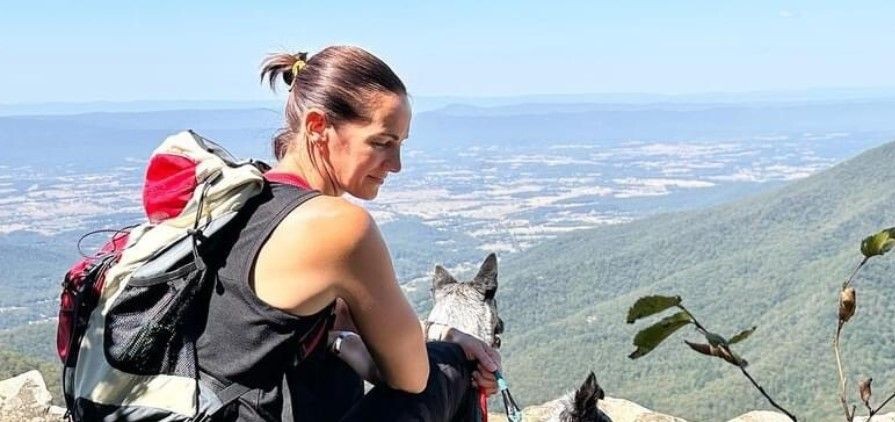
(66, 51)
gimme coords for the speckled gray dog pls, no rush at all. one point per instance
(472, 308)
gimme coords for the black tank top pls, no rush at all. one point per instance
(246, 340)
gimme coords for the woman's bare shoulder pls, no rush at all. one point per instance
(336, 222)
(309, 257)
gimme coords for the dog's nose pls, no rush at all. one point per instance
(496, 342)
(499, 328)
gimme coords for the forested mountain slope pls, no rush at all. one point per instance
(774, 260)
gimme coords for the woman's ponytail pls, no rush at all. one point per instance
(338, 80)
(282, 65)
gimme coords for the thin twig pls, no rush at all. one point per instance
(849, 416)
(843, 383)
(880, 407)
(693, 318)
(773, 403)
(727, 349)
(855, 272)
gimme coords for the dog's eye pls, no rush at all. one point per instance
(499, 328)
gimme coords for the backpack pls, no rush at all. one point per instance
(131, 313)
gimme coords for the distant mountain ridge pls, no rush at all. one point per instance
(607, 123)
(774, 260)
(107, 137)
(432, 102)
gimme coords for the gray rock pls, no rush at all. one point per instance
(888, 417)
(56, 412)
(26, 398)
(761, 416)
(619, 410)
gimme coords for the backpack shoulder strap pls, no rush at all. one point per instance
(225, 397)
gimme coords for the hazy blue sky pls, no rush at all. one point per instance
(188, 50)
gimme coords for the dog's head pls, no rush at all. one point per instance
(582, 406)
(469, 307)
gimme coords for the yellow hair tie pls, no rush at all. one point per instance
(296, 67)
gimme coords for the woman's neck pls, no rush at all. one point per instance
(299, 163)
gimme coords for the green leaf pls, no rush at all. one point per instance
(742, 335)
(650, 305)
(648, 338)
(879, 243)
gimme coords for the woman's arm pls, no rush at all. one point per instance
(330, 248)
(345, 343)
(333, 249)
(384, 318)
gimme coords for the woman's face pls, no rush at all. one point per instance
(363, 154)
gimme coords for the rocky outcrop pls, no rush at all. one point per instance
(761, 416)
(620, 410)
(25, 398)
(625, 411)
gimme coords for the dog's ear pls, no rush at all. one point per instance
(441, 278)
(586, 399)
(486, 280)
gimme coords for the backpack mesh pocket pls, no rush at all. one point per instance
(153, 324)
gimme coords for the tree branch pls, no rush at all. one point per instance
(693, 318)
(855, 272)
(880, 407)
(843, 383)
(704, 331)
(761, 390)
(849, 416)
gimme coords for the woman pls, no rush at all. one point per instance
(297, 261)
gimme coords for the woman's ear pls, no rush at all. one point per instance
(315, 124)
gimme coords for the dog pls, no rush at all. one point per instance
(471, 307)
(582, 406)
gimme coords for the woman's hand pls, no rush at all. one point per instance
(487, 358)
